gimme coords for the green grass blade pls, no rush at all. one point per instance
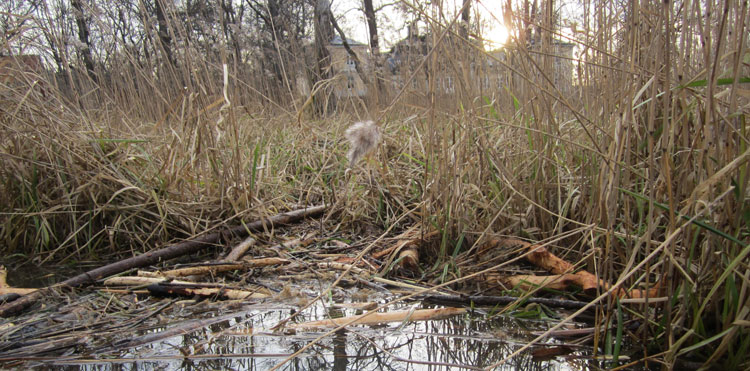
(696, 222)
(618, 335)
(704, 342)
(719, 82)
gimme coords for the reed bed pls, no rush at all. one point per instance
(637, 168)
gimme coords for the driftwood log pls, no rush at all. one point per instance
(153, 257)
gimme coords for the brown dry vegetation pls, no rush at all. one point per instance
(642, 166)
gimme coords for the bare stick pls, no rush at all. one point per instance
(240, 249)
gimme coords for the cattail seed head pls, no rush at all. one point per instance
(363, 137)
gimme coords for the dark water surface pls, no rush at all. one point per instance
(238, 335)
(244, 341)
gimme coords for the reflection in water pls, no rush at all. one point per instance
(242, 341)
(340, 358)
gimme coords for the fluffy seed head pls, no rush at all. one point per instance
(363, 137)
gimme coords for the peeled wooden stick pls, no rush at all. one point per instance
(376, 318)
(530, 282)
(3, 277)
(240, 249)
(202, 270)
(407, 248)
(6, 289)
(264, 262)
(409, 258)
(409, 237)
(542, 258)
(226, 267)
(172, 289)
(16, 290)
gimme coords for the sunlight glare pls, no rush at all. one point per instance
(496, 36)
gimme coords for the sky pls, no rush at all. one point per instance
(392, 23)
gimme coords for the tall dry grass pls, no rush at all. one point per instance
(641, 164)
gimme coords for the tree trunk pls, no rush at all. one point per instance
(465, 19)
(323, 35)
(83, 36)
(372, 28)
(228, 19)
(164, 37)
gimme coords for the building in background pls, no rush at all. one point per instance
(347, 81)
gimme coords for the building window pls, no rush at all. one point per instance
(448, 84)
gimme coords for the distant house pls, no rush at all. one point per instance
(490, 73)
(405, 56)
(348, 83)
(407, 52)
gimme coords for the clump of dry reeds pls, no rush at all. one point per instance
(639, 162)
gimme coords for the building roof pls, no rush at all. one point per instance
(338, 41)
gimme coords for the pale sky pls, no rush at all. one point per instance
(352, 20)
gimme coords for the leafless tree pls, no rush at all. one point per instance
(165, 39)
(79, 13)
(323, 36)
(372, 28)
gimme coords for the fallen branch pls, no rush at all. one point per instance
(377, 318)
(6, 298)
(160, 286)
(48, 346)
(223, 267)
(138, 281)
(153, 257)
(217, 293)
